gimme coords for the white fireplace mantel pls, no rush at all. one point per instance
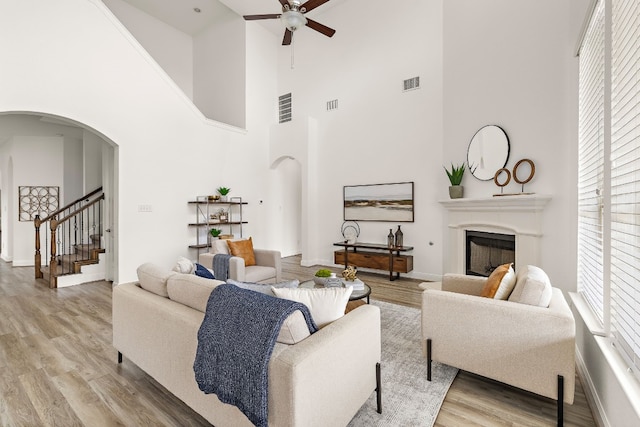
(519, 215)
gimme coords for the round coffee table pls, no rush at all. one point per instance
(355, 295)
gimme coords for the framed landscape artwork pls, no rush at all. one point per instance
(379, 202)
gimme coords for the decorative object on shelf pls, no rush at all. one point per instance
(488, 151)
(215, 232)
(226, 236)
(390, 238)
(321, 276)
(223, 193)
(213, 198)
(350, 231)
(456, 191)
(350, 273)
(522, 182)
(379, 202)
(223, 215)
(399, 238)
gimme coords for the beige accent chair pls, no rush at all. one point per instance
(268, 266)
(526, 346)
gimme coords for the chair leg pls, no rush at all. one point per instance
(119, 357)
(378, 388)
(560, 400)
(428, 359)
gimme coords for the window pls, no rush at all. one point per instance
(609, 173)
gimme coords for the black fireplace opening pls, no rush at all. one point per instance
(486, 251)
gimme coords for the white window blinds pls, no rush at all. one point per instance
(625, 178)
(591, 163)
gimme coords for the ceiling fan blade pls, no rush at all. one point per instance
(312, 4)
(255, 17)
(286, 41)
(320, 28)
(284, 2)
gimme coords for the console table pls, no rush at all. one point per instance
(376, 256)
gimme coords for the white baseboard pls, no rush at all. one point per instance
(593, 400)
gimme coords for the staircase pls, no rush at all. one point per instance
(73, 245)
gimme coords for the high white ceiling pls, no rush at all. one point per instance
(180, 14)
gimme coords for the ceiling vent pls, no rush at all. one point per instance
(411, 84)
(284, 108)
(332, 105)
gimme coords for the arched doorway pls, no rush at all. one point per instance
(83, 158)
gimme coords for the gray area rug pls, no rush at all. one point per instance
(408, 399)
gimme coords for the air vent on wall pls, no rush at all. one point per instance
(412, 84)
(284, 108)
(332, 105)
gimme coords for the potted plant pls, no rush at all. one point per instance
(223, 193)
(455, 177)
(215, 232)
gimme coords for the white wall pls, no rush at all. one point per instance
(378, 134)
(219, 69)
(512, 64)
(171, 48)
(168, 153)
(72, 170)
(92, 161)
(37, 161)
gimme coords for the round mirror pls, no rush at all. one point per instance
(488, 152)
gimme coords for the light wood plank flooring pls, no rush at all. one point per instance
(472, 400)
(58, 367)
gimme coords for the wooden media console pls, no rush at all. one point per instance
(375, 256)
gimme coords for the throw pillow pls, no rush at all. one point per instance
(325, 304)
(243, 249)
(495, 279)
(153, 278)
(507, 284)
(264, 288)
(203, 271)
(184, 266)
(191, 290)
(533, 287)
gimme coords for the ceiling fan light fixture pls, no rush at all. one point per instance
(292, 19)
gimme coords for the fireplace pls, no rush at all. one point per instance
(486, 251)
(518, 216)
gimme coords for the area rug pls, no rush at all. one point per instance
(408, 399)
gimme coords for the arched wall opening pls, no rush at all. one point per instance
(289, 201)
(38, 148)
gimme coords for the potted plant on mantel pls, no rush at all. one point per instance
(223, 193)
(456, 190)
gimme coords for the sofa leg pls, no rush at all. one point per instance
(119, 357)
(378, 388)
(560, 400)
(428, 359)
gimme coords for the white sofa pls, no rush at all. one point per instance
(322, 380)
(268, 267)
(526, 346)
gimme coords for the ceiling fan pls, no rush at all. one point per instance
(292, 17)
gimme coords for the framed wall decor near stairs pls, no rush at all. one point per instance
(227, 217)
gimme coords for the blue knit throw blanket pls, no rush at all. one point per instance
(221, 266)
(235, 342)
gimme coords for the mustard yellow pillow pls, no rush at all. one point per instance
(243, 249)
(495, 279)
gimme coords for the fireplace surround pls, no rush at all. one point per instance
(520, 216)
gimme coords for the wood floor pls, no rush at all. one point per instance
(58, 367)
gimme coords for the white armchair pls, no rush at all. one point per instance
(522, 345)
(268, 266)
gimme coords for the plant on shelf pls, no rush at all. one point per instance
(223, 193)
(215, 232)
(455, 178)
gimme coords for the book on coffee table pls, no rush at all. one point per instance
(357, 284)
